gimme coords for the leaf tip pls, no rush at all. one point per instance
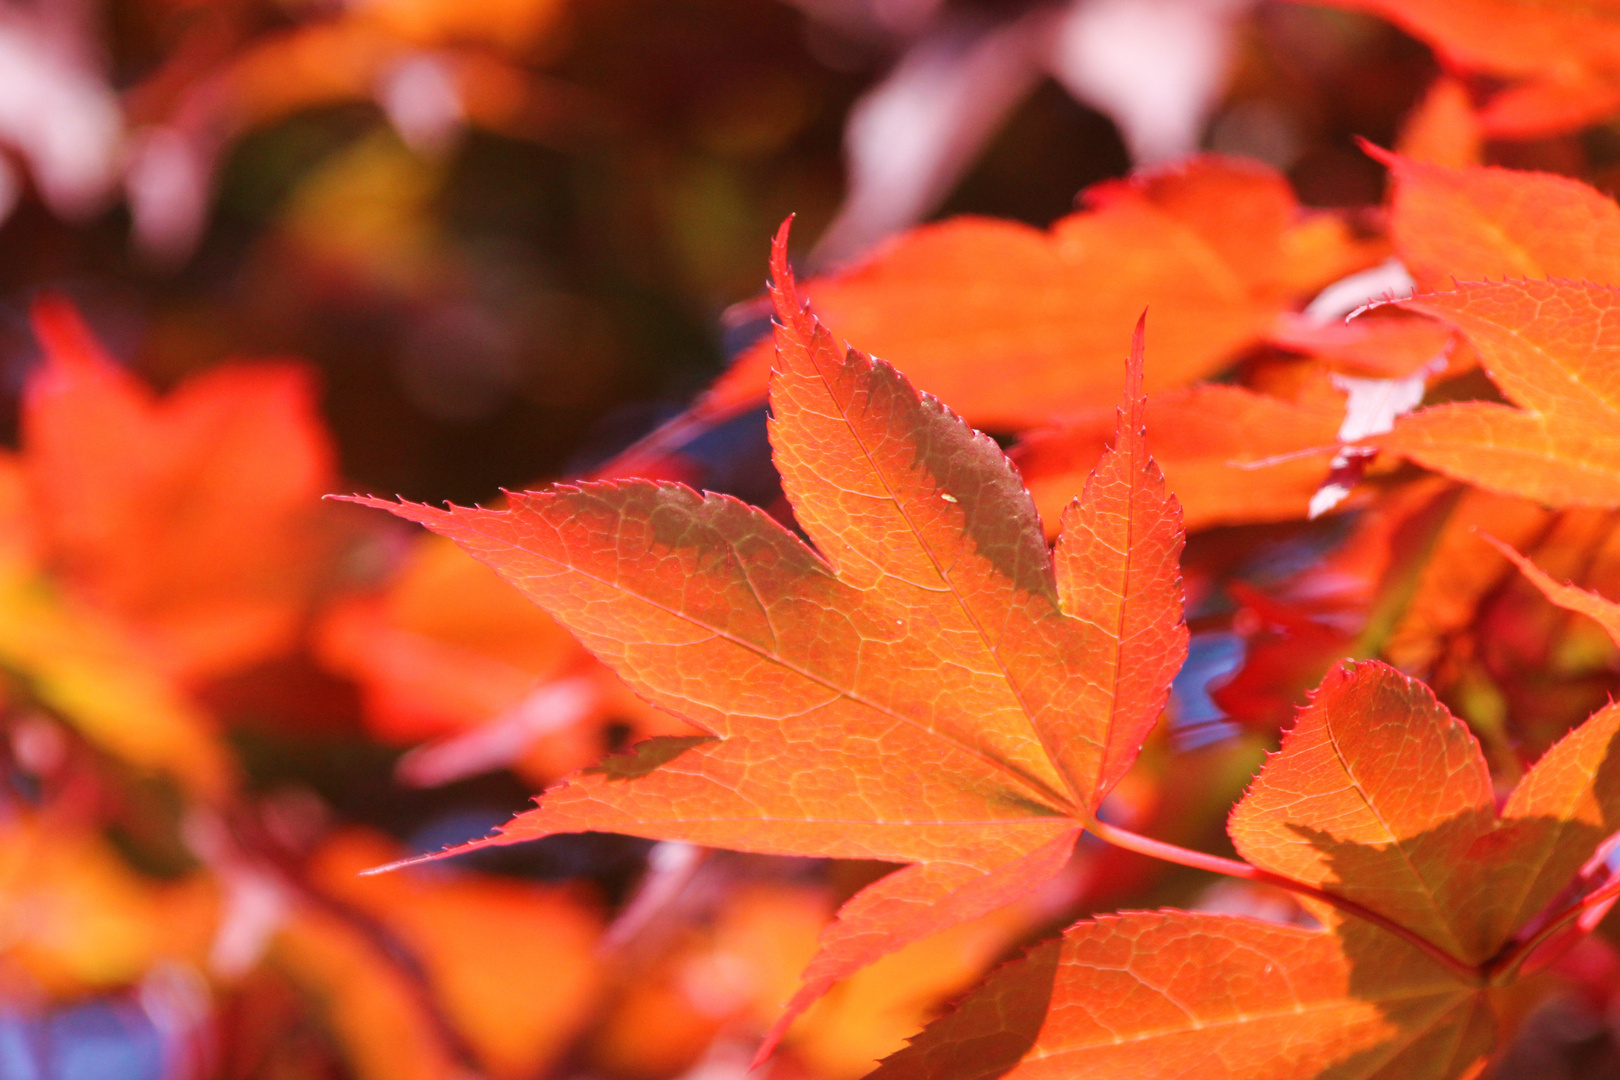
(62, 333)
(1137, 361)
(1387, 158)
(434, 856)
(767, 1047)
(781, 270)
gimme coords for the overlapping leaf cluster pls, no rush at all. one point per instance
(1347, 498)
(917, 679)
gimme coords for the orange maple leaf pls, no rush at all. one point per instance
(1161, 995)
(1553, 348)
(927, 685)
(1485, 224)
(1378, 796)
(194, 518)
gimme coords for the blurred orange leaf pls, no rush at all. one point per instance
(450, 649)
(1214, 247)
(89, 670)
(1443, 128)
(512, 965)
(77, 918)
(1230, 454)
(1605, 612)
(1560, 57)
(1387, 344)
(872, 1013)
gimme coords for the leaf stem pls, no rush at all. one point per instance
(1506, 964)
(1216, 864)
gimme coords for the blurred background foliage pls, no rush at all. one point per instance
(512, 237)
(518, 296)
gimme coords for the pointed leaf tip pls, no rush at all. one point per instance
(1136, 363)
(1567, 595)
(1386, 158)
(492, 840)
(781, 270)
(62, 332)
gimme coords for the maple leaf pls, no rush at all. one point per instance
(927, 685)
(194, 518)
(1161, 995)
(1214, 247)
(1553, 348)
(1379, 797)
(1479, 224)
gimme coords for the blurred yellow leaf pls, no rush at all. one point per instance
(366, 213)
(77, 918)
(86, 669)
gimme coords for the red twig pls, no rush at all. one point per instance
(1505, 965)
(1216, 864)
